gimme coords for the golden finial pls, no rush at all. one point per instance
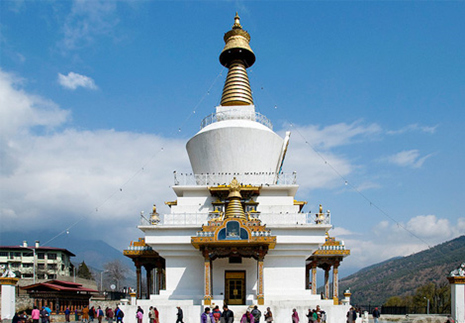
(234, 208)
(237, 22)
(234, 189)
(237, 56)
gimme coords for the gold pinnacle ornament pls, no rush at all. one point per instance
(237, 56)
(234, 208)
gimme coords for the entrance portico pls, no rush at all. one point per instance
(233, 234)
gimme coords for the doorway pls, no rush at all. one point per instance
(234, 287)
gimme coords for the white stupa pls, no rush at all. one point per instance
(235, 234)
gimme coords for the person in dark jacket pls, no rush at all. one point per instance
(179, 315)
(227, 316)
(376, 314)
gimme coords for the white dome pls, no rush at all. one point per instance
(235, 146)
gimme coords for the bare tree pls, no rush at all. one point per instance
(116, 271)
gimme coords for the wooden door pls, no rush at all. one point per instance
(234, 289)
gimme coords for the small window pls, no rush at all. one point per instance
(52, 256)
(17, 254)
(41, 276)
(27, 265)
(28, 254)
(3, 254)
(235, 260)
(15, 264)
(41, 255)
(52, 276)
(28, 275)
(52, 266)
(41, 266)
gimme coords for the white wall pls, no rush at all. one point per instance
(184, 277)
(458, 302)
(284, 278)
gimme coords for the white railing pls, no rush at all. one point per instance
(294, 218)
(253, 178)
(199, 219)
(236, 115)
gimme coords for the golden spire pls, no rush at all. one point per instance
(237, 56)
(234, 208)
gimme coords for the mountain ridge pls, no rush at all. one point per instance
(402, 276)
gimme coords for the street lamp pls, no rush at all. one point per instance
(101, 279)
(427, 305)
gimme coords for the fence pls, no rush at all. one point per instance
(394, 310)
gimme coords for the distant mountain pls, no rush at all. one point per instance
(402, 276)
(95, 253)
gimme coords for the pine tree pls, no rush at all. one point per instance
(84, 272)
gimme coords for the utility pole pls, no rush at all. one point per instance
(427, 305)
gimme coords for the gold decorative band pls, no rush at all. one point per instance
(8, 280)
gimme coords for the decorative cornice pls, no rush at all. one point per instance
(8, 281)
(456, 280)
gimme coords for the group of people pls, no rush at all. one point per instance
(353, 313)
(153, 315)
(316, 315)
(227, 316)
(89, 314)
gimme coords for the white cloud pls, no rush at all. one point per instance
(408, 158)
(335, 135)
(88, 20)
(314, 165)
(19, 111)
(412, 128)
(387, 239)
(52, 179)
(73, 81)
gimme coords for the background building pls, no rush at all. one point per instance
(36, 262)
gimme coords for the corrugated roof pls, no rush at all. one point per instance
(60, 285)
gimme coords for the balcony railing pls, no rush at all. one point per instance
(198, 219)
(236, 115)
(253, 178)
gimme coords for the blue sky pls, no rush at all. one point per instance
(98, 98)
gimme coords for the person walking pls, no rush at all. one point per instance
(119, 315)
(351, 315)
(247, 317)
(44, 315)
(91, 314)
(295, 316)
(139, 316)
(16, 318)
(179, 315)
(376, 314)
(309, 315)
(35, 315)
(151, 314)
(85, 314)
(268, 315)
(155, 311)
(227, 316)
(206, 316)
(101, 315)
(216, 314)
(256, 314)
(67, 313)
